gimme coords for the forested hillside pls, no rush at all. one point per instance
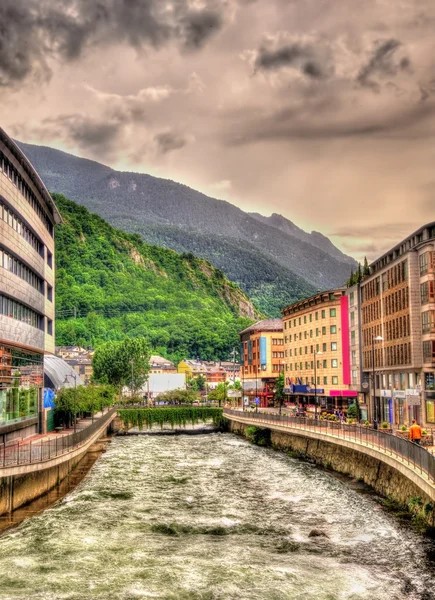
(274, 261)
(117, 286)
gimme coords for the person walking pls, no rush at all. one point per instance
(415, 433)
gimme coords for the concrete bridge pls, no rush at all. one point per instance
(395, 467)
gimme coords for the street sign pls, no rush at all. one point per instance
(257, 400)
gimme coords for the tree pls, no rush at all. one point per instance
(123, 363)
(219, 394)
(178, 396)
(198, 383)
(279, 390)
(236, 385)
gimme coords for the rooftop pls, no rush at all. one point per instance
(264, 325)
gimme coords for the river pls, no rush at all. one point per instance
(212, 517)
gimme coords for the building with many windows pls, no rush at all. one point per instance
(317, 352)
(27, 219)
(262, 359)
(398, 330)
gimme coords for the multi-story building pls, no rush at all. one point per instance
(262, 359)
(27, 219)
(317, 352)
(79, 359)
(355, 348)
(398, 330)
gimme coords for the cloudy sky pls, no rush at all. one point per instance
(321, 110)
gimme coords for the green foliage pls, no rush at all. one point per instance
(122, 363)
(179, 396)
(198, 383)
(404, 428)
(180, 416)
(258, 436)
(352, 412)
(279, 388)
(90, 399)
(120, 288)
(219, 394)
(385, 425)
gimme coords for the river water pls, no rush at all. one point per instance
(212, 517)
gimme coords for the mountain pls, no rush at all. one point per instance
(272, 260)
(111, 285)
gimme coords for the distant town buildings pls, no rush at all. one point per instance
(27, 219)
(160, 365)
(79, 359)
(213, 372)
(262, 359)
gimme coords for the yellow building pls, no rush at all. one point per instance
(262, 359)
(158, 364)
(317, 351)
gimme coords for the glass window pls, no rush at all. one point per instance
(324, 348)
(334, 380)
(332, 312)
(334, 363)
(333, 328)
(323, 330)
(323, 314)
(333, 346)
(325, 381)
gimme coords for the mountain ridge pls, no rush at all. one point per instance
(175, 216)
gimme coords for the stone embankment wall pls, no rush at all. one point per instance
(382, 477)
(19, 489)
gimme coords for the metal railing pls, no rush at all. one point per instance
(392, 445)
(37, 451)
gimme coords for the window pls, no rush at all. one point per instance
(428, 321)
(50, 293)
(334, 363)
(300, 320)
(334, 329)
(352, 338)
(325, 364)
(317, 332)
(49, 259)
(323, 314)
(323, 330)
(305, 319)
(333, 346)
(49, 327)
(352, 298)
(15, 310)
(352, 319)
(334, 380)
(324, 348)
(325, 381)
(311, 318)
(423, 263)
(332, 312)
(317, 316)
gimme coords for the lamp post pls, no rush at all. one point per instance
(375, 406)
(316, 353)
(74, 376)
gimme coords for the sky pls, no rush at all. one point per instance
(320, 110)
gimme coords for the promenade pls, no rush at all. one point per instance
(42, 448)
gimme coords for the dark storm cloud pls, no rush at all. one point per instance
(294, 55)
(169, 141)
(85, 132)
(382, 63)
(31, 31)
(199, 26)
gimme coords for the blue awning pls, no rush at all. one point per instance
(48, 399)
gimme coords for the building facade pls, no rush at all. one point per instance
(213, 372)
(159, 365)
(27, 219)
(317, 352)
(398, 330)
(262, 359)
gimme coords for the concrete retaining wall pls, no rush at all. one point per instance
(381, 476)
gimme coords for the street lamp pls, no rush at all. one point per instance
(74, 376)
(316, 353)
(375, 406)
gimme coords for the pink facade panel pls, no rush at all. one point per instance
(345, 343)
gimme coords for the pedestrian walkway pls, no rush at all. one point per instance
(43, 447)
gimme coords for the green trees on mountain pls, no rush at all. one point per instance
(111, 286)
(359, 274)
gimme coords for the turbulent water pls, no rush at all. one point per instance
(212, 517)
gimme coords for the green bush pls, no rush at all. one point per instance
(404, 428)
(385, 425)
(258, 436)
